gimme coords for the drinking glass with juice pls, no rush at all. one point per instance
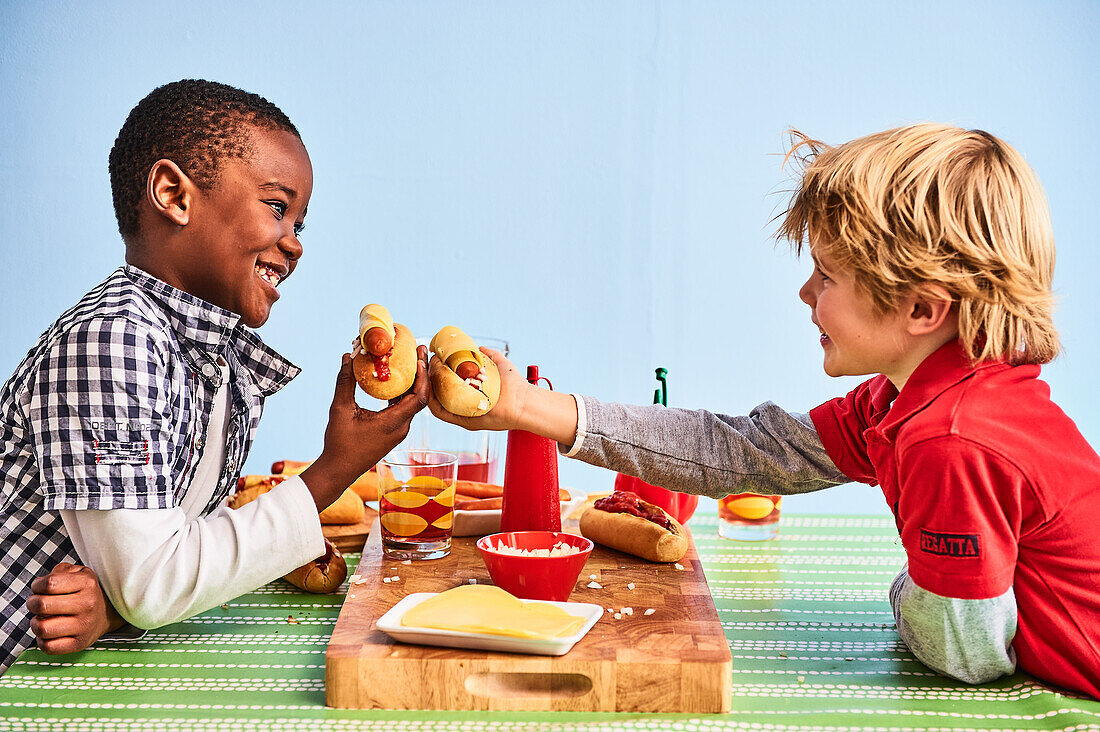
(416, 503)
(748, 517)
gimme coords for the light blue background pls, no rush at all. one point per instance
(594, 181)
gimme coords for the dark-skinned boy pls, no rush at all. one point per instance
(138, 406)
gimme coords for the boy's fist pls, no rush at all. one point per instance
(70, 609)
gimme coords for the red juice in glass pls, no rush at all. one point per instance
(475, 467)
(416, 503)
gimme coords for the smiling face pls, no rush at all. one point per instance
(856, 339)
(242, 235)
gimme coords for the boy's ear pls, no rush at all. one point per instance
(929, 307)
(170, 192)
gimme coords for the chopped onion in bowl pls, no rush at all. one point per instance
(561, 549)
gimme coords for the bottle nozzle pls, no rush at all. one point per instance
(534, 378)
(660, 395)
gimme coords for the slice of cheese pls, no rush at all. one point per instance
(493, 611)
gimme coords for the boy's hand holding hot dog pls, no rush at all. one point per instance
(521, 405)
(356, 438)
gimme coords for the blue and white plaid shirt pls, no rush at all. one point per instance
(110, 409)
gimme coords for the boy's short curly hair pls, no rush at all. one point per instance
(195, 124)
(927, 204)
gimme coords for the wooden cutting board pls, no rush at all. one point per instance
(674, 660)
(350, 537)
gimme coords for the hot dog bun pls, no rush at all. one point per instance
(465, 397)
(636, 535)
(366, 486)
(289, 467)
(324, 574)
(400, 360)
(347, 509)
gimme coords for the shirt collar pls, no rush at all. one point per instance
(205, 328)
(944, 368)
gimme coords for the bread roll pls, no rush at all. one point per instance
(322, 575)
(366, 486)
(389, 376)
(347, 509)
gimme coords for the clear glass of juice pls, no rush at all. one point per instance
(748, 517)
(416, 498)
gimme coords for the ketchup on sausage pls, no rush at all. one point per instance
(382, 367)
(627, 502)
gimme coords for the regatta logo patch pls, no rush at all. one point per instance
(950, 545)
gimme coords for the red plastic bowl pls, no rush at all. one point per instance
(534, 578)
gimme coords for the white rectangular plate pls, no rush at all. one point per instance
(390, 624)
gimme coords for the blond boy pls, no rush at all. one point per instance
(933, 259)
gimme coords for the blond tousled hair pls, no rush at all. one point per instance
(934, 204)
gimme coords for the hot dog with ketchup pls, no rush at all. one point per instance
(625, 522)
(466, 382)
(384, 354)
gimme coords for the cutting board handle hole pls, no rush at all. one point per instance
(528, 685)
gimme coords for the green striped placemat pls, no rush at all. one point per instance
(806, 615)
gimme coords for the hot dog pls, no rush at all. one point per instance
(625, 522)
(346, 509)
(251, 487)
(384, 354)
(466, 382)
(324, 574)
(289, 467)
(479, 490)
(366, 485)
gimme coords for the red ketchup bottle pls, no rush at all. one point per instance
(531, 479)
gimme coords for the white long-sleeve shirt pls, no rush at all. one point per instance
(159, 566)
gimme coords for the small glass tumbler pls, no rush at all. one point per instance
(748, 517)
(416, 499)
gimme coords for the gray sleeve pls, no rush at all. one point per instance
(968, 640)
(770, 451)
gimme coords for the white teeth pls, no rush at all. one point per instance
(268, 275)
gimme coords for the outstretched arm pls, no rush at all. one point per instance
(769, 451)
(157, 567)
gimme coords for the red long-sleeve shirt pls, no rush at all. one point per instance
(992, 486)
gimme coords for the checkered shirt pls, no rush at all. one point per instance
(110, 409)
